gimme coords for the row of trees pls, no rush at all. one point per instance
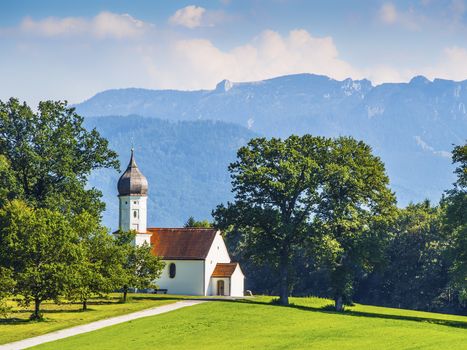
(311, 215)
(314, 215)
(52, 244)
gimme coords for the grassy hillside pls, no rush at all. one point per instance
(258, 324)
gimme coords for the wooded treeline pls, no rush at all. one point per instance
(52, 243)
(315, 216)
(311, 216)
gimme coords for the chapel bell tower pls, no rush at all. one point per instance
(133, 196)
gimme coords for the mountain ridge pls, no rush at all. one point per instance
(412, 126)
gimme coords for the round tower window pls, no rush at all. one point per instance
(172, 270)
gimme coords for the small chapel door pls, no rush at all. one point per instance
(220, 287)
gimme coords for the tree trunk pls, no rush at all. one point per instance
(339, 303)
(37, 309)
(284, 284)
(125, 292)
(85, 304)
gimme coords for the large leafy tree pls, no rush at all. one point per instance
(308, 198)
(100, 269)
(41, 249)
(355, 206)
(46, 157)
(455, 204)
(140, 266)
(51, 155)
(276, 184)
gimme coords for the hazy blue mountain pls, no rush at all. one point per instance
(412, 126)
(184, 162)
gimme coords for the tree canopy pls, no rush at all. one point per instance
(51, 155)
(51, 240)
(140, 267)
(355, 207)
(100, 269)
(39, 247)
(289, 192)
(192, 223)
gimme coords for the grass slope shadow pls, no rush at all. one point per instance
(355, 313)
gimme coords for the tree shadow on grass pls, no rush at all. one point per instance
(111, 301)
(13, 320)
(353, 313)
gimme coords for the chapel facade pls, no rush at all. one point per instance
(197, 261)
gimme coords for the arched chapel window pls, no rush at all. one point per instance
(172, 270)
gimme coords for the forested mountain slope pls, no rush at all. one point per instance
(412, 126)
(184, 162)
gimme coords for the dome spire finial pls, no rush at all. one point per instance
(132, 181)
(132, 163)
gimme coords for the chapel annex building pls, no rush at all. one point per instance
(196, 259)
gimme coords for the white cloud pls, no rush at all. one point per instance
(108, 24)
(379, 74)
(426, 147)
(104, 25)
(171, 60)
(189, 16)
(410, 19)
(200, 63)
(388, 13)
(451, 65)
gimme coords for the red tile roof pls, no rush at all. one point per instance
(224, 269)
(182, 243)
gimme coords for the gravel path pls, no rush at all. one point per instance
(68, 332)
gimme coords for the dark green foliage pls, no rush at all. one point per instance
(412, 258)
(311, 215)
(455, 220)
(100, 269)
(50, 235)
(9, 188)
(355, 206)
(46, 158)
(140, 266)
(7, 284)
(40, 247)
(415, 274)
(276, 189)
(311, 200)
(51, 155)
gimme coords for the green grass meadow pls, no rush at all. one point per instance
(16, 325)
(259, 324)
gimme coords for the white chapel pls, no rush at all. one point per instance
(196, 259)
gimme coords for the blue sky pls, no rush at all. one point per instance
(72, 50)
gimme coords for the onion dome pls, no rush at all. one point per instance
(132, 182)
